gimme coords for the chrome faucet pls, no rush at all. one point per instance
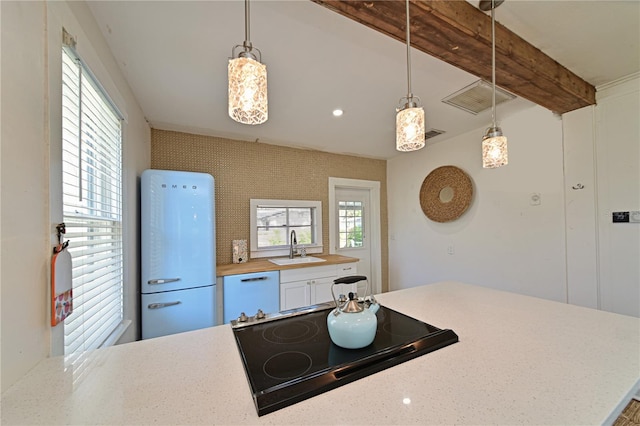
(293, 244)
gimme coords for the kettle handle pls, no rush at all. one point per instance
(347, 280)
(350, 279)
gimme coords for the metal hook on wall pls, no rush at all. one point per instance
(578, 186)
(60, 230)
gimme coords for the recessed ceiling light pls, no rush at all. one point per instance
(337, 112)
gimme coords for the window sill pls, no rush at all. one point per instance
(283, 252)
(116, 334)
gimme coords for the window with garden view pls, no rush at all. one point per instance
(273, 221)
(350, 216)
(276, 223)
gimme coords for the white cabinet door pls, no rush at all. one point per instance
(294, 294)
(298, 294)
(312, 285)
(321, 290)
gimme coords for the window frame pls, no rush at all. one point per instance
(261, 252)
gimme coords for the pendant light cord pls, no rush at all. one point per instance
(247, 39)
(409, 94)
(493, 60)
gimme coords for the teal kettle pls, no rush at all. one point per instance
(352, 325)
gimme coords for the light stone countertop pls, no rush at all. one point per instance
(520, 360)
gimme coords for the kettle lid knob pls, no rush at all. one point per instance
(353, 305)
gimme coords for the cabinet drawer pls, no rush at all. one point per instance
(346, 269)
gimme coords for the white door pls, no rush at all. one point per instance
(370, 251)
(353, 228)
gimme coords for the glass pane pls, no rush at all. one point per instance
(269, 237)
(350, 224)
(272, 216)
(275, 222)
(303, 234)
(299, 216)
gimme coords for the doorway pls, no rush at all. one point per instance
(354, 226)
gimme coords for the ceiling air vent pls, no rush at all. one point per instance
(477, 97)
(432, 133)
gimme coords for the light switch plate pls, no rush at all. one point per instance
(620, 217)
(634, 216)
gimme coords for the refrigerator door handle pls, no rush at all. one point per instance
(163, 305)
(163, 281)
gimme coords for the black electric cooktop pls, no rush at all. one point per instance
(292, 358)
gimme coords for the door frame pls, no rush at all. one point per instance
(376, 247)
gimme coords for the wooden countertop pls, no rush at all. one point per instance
(263, 265)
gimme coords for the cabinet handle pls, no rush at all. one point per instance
(163, 281)
(163, 305)
(347, 269)
(246, 280)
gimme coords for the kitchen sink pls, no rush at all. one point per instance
(296, 260)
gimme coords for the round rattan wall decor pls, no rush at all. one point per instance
(446, 194)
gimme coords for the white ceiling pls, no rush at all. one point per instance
(174, 55)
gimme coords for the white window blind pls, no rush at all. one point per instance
(92, 203)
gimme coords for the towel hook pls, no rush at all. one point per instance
(61, 229)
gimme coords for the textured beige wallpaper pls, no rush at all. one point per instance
(245, 170)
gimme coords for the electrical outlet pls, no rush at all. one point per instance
(451, 250)
(634, 216)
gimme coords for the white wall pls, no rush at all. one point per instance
(502, 241)
(602, 161)
(618, 176)
(566, 249)
(31, 52)
(580, 203)
(25, 190)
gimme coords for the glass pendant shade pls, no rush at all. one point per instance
(409, 113)
(248, 91)
(494, 149)
(410, 129)
(494, 143)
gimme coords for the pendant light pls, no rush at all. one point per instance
(494, 143)
(410, 115)
(247, 81)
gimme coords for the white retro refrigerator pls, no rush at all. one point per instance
(178, 264)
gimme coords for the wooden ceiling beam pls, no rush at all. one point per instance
(460, 34)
